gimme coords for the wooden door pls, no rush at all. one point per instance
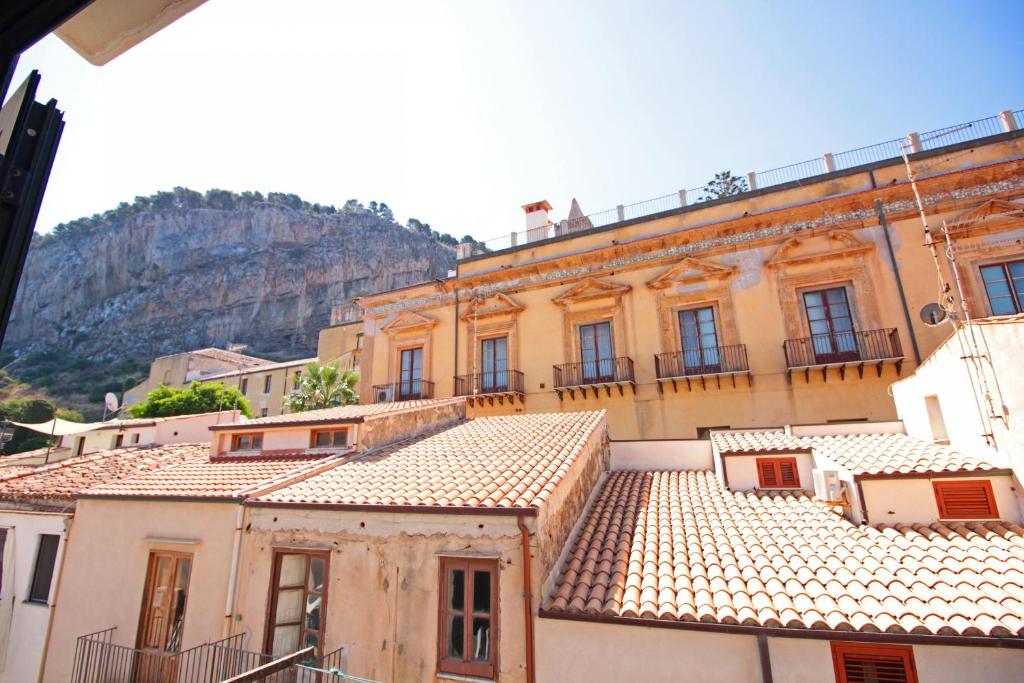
(163, 617)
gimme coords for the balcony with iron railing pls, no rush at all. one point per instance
(713, 362)
(98, 659)
(802, 172)
(491, 385)
(851, 348)
(605, 373)
(408, 390)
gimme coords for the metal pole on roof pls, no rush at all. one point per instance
(49, 442)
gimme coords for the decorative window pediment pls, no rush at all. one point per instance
(408, 322)
(690, 271)
(495, 305)
(838, 244)
(589, 290)
(995, 213)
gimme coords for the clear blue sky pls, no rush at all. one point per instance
(458, 112)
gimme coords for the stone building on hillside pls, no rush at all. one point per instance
(796, 302)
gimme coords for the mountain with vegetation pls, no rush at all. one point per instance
(102, 296)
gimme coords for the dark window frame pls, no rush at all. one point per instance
(37, 592)
(333, 437)
(410, 384)
(706, 357)
(243, 385)
(601, 368)
(272, 600)
(1008, 279)
(268, 383)
(842, 652)
(255, 441)
(834, 345)
(166, 637)
(466, 666)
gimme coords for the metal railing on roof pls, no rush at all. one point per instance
(883, 151)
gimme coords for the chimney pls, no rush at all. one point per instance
(537, 222)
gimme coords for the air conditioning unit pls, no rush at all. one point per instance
(386, 395)
(827, 486)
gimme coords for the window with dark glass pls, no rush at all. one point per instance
(831, 325)
(298, 602)
(246, 442)
(42, 573)
(699, 340)
(297, 379)
(410, 374)
(243, 386)
(163, 603)
(469, 605)
(494, 364)
(597, 352)
(267, 383)
(1004, 284)
(118, 440)
(3, 547)
(330, 438)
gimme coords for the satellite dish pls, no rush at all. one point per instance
(111, 401)
(933, 314)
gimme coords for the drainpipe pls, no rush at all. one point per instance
(766, 658)
(56, 595)
(527, 598)
(899, 278)
(236, 552)
(455, 367)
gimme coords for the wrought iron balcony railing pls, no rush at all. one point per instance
(843, 349)
(492, 383)
(607, 373)
(715, 361)
(409, 390)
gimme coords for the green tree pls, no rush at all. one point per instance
(324, 386)
(197, 398)
(724, 184)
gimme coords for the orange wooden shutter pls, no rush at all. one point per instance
(971, 499)
(766, 473)
(787, 473)
(864, 663)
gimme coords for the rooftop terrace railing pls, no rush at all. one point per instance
(1004, 122)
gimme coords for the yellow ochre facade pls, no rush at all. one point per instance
(799, 303)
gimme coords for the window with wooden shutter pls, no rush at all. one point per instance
(971, 499)
(777, 473)
(869, 663)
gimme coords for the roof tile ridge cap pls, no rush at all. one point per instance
(293, 476)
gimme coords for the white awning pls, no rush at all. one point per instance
(59, 427)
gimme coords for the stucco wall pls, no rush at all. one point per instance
(570, 651)
(690, 454)
(27, 632)
(383, 585)
(834, 429)
(388, 428)
(105, 571)
(741, 470)
(912, 501)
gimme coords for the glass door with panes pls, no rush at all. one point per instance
(163, 617)
(411, 374)
(700, 341)
(831, 325)
(298, 603)
(597, 353)
(494, 365)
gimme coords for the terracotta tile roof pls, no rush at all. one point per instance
(57, 452)
(679, 546)
(212, 477)
(512, 461)
(266, 366)
(862, 454)
(67, 478)
(355, 413)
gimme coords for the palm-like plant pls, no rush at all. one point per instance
(324, 386)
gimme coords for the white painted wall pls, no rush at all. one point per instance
(572, 651)
(912, 501)
(741, 470)
(28, 621)
(690, 454)
(191, 429)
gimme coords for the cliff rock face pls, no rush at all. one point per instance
(162, 281)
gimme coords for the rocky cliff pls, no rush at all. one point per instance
(162, 276)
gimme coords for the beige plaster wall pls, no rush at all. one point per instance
(741, 470)
(383, 585)
(912, 501)
(662, 455)
(105, 571)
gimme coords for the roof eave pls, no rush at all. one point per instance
(421, 509)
